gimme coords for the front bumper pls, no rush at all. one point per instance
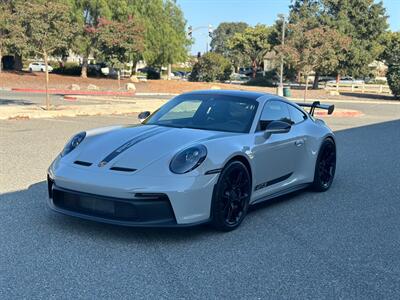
(144, 210)
(131, 200)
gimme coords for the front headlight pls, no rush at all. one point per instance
(73, 143)
(188, 159)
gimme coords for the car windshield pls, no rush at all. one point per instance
(208, 112)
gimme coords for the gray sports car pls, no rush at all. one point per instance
(204, 156)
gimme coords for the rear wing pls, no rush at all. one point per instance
(316, 104)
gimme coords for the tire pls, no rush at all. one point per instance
(325, 166)
(30, 70)
(231, 197)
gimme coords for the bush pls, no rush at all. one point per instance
(211, 67)
(270, 79)
(71, 69)
(393, 77)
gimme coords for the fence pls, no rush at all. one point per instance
(358, 88)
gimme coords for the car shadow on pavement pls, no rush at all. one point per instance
(28, 208)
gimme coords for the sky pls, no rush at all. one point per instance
(199, 13)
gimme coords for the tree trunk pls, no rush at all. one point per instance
(119, 79)
(18, 62)
(299, 78)
(306, 89)
(254, 69)
(1, 58)
(84, 67)
(337, 78)
(316, 79)
(169, 72)
(47, 80)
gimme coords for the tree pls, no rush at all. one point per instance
(391, 52)
(220, 37)
(365, 21)
(166, 39)
(117, 41)
(391, 55)
(313, 49)
(5, 31)
(86, 14)
(308, 13)
(253, 43)
(210, 67)
(47, 29)
(12, 36)
(393, 77)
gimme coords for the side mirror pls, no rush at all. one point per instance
(143, 116)
(276, 127)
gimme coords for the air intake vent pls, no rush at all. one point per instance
(122, 169)
(83, 163)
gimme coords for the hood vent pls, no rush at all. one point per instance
(121, 169)
(83, 163)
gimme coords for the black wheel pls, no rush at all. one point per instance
(325, 166)
(231, 198)
(30, 70)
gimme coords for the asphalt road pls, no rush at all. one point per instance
(344, 243)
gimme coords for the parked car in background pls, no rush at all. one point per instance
(39, 67)
(246, 71)
(236, 78)
(110, 72)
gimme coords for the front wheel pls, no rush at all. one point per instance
(325, 166)
(232, 195)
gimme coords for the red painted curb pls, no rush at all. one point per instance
(70, 98)
(69, 92)
(353, 113)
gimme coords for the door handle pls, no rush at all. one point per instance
(299, 143)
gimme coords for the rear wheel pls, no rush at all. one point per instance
(325, 166)
(232, 196)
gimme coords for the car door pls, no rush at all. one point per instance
(275, 158)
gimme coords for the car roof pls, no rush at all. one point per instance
(232, 93)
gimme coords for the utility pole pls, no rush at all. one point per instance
(280, 88)
(209, 36)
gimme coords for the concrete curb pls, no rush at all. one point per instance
(70, 92)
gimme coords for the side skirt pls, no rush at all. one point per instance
(280, 193)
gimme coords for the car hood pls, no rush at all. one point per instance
(134, 147)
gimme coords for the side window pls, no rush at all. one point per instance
(274, 111)
(296, 115)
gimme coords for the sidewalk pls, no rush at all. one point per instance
(72, 92)
(35, 112)
(119, 107)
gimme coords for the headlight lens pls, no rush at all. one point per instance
(73, 143)
(188, 159)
